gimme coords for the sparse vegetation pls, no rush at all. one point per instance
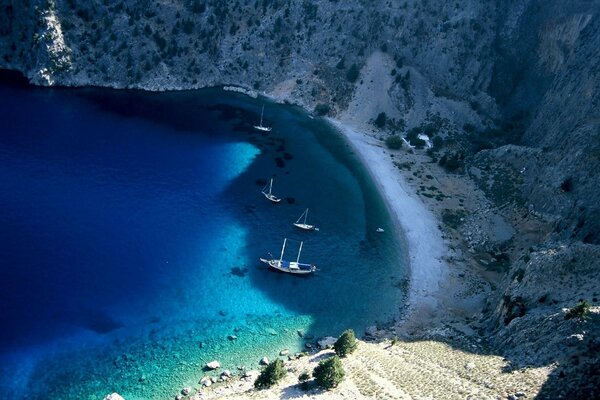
(352, 74)
(329, 373)
(304, 378)
(346, 343)
(272, 374)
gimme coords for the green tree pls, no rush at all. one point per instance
(346, 343)
(393, 142)
(329, 373)
(352, 74)
(580, 311)
(272, 374)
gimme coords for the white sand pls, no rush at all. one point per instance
(417, 225)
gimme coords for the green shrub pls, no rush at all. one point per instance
(393, 142)
(329, 373)
(380, 120)
(303, 378)
(580, 311)
(352, 74)
(269, 376)
(346, 344)
(322, 109)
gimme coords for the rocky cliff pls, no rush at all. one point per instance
(509, 87)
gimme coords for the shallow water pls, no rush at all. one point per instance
(131, 224)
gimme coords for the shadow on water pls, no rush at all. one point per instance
(312, 167)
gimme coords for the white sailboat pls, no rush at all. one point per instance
(269, 195)
(291, 267)
(260, 126)
(304, 225)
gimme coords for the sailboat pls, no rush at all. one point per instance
(269, 195)
(292, 267)
(260, 126)
(304, 225)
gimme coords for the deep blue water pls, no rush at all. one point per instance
(130, 229)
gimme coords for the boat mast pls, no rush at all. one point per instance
(282, 249)
(305, 216)
(271, 186)
(261, 115)
(299, 251)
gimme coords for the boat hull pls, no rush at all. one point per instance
(306, 227)
(290, 267)
(272, 198)
(263, 128)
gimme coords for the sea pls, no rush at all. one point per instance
(131, 227)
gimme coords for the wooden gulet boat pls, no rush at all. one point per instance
(290, 267)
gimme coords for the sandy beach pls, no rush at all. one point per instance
(415, 224)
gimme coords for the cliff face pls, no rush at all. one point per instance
(510, 85)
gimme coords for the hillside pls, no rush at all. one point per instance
(508, 90)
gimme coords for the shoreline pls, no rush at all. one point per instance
(416, 225)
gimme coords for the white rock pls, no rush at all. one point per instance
(327, 342)
(114, 396)
(186, 390)
(264, 361)
(205, 381)
(284, 352)
(470, 366)
(226, 373)
(213, 365)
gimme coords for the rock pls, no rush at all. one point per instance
(232, 337)
(520, 394)
(264, 361)
(300, 332)
(213, 365)
(186, 390)
(371, 330)
(327, 342)
(284, 352)
(205, 381)
(271, 331)
(308, 345)
(179, 397)
(214, 379)
(226, 373)
(114, 396)
(470, 366)
(241, 367)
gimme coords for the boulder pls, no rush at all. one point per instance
(205, 381)
(186, 390)
(232, 337)
(213, 365)
(226, 373)
(327, 342)
(284, 352)
(371, 330)
(264, 361)
(114, 396)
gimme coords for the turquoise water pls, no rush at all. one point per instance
(131, 225)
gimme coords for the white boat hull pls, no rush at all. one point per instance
(263, 128)
(306, 227)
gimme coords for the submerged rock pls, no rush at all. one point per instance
(232, 337)
(327, 342)
(114, 396)
(284, 352)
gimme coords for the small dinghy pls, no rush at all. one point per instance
(379, 230)
(268, 194)
(290, 267)
(304, 225)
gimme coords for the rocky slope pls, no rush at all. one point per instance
(510, 89)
